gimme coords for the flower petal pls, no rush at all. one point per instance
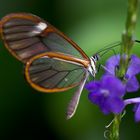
(136, 108)
(96, 97)
(111, 64)
(104, 108)
(93, 85)
(134, 67)
(132, 101)
(137, 113)
(114, 85)
(132, 84)
(115, 105)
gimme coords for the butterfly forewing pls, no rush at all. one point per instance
(26, 35)
(54, 74)
(57, 43)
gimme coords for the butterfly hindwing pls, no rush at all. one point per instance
(50, 72)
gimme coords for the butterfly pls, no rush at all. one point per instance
(53, 62)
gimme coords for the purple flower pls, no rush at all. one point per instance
(107, 94)
(132, 84)
(133, 69)
(134, 66)
(137, 112)
(136, 109)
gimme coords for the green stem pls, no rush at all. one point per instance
(114, 128)
(128, 36)
(127, 44)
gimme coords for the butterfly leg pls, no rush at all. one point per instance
(98, 68)
(100, 65)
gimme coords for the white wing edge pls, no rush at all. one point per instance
(73, 104)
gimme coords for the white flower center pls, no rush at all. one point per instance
(105, 92)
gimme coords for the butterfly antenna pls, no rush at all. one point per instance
(138, 41)
(110, 46)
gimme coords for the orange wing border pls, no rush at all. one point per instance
(84, 63)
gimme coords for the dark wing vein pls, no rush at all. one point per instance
(30, 45)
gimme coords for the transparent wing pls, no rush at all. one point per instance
(53, 74)
(57, 43)
(26, 35)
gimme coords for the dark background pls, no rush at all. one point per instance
(28, 114)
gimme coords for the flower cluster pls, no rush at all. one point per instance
(109, 91)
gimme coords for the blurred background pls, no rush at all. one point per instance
(28, 114)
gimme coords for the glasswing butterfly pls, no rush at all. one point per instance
(53, 62)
